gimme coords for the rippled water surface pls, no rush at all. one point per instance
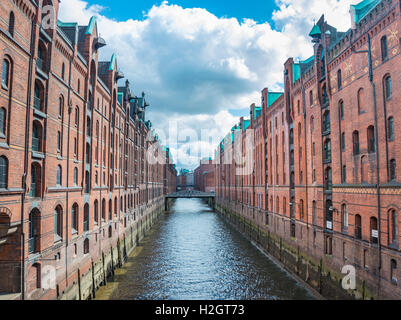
(191, 253)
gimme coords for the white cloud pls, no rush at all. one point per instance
(194, 66)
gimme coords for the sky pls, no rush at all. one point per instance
(202, 63)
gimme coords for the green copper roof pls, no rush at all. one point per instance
(112, 62)
(247, 123)
(66, 24)
(296, 72)
(258, 112)
(315, 31)
(91, 25)
(308, 60)
(272, 97)
(120, 97)
(360, 10)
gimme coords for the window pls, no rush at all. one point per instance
(327, 150)
(343, 142)
(60, 107)
(360, 100)
(3, 122)
(393, 268)
(371, 139)
(35, 180)
(74, 218)
(312, 123)
(364, 169)
(38, 102)
(344, 213)
(40, 61)
(58, 224)
(393, 167)
(96, 212)
(110, 231)
(63, 71)
(393, 232)
(11, 24)
(314, 213)
(86, 246)
(344, 175)
(6, 74)
(301, 209)
(325, 97)
(34, 225)
(58, 141)
(59, 175)
(384, 48)
(86, 217)
(311, 97)
(76, 117)
(388, 89)
(374, 234)
(3, 172)
(339, 80)
(341, 109)
(355, 141)
(75, 176)
(358, 227)
(390, 128)
(326, 121)
(328, 179)
(36, 137)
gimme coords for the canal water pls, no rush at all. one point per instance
(193, 254)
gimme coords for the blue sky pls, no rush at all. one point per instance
(258, 10)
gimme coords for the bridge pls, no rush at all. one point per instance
(190, 194)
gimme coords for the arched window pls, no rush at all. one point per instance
(314, 213)
(75, 218)
(41, 59)
(3, 172)
(393, 270)
(75, 176)
(374, 233)
(326, 121)
(384, 48)
(11, 24)
(34, 231)
(60, 107)
(36, 174)
(393, 168)
(358, 227)
(88, 153)
(341, 109)
(58, 223)
(5, 80)
(371, 139)
(388, 88)
(86, 217)
(355, 141)
(3, 122)
(63, 71)
(361, 100)
(393, 227)
(390, 128)
(76, 117)
(328, 179)
(327, 150)
(96, 212)
(38, 99)
(344, 213)
(344, 174)
(339, 80)
(86, 246)
(59, 181)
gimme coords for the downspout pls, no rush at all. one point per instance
(68, 170)
(27, 126)
(377, 160)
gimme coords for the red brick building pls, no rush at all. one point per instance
(81, 174)
(324, 184)
(204, 176)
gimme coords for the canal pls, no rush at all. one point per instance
(193, 254)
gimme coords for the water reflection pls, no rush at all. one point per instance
(193, 254)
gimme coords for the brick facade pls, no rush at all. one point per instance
(77, 184)
(326, 154)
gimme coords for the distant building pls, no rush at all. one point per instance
(204, 176)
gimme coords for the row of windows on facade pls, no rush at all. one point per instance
(35, 220)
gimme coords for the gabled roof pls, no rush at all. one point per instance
(315, 31)
(360, 10)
